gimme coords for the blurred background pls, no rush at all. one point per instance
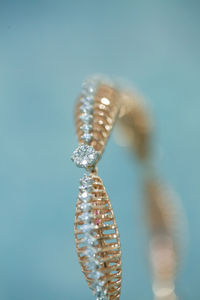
(47, 48)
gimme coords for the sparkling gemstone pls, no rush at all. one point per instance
(90, 252)
(86, 118)
(89, 239)
(86, 228)
(85, 156)
(89, 99)
(95, 275)
(88, 87)
(86, 108)
(85, 206)
(86, 181)
(85, 217)
(87, 137)
(86, 184)
(92, 156)
(97, 286)
(101, 295)
(85, 196)
(93, 264)
(85, 162)
(86, 128)
(85, 187)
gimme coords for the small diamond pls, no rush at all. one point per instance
(85, 196)
(86, 181)
(88, 87)
(85, 206)
(85, 156)
(84, 162)
(97, 286)
(87, 137)
(84, 187)
(86, 128)
(93, 264)
(89, 239)
(95, 275)
(86, 108)
(86, 118)
(87, 99)
(86, 228)
(90, 252)
(85, 217)
(101, 295)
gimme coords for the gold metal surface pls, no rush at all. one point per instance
(105, 110)
(136, 122)
(107, 236)
(111, 105)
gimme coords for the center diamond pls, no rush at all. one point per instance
(85, 156)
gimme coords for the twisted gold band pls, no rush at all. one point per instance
(99, 106)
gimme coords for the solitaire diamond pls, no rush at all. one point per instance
(85, 156)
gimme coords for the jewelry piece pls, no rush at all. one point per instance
(97, 239)
(163, 212)
(96, 233)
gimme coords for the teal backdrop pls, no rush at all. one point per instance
(47, 48)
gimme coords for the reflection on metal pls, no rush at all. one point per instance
(98, 108)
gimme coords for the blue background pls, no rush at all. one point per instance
(46, 49)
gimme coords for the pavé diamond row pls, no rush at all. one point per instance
(96, 234)
(86, 108)
(93, 263)
(85, 156)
